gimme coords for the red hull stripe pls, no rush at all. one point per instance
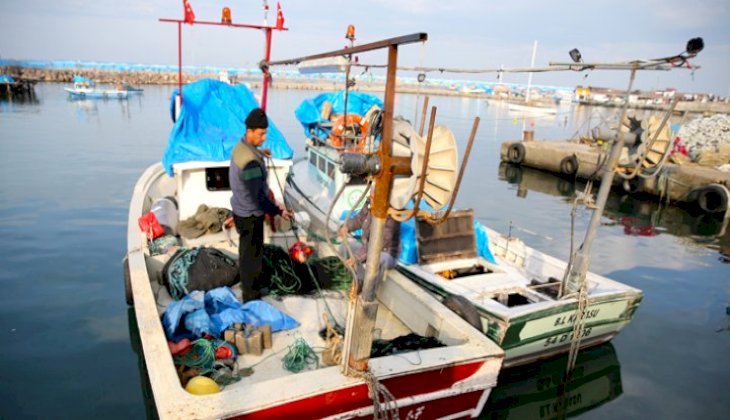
(356, 397)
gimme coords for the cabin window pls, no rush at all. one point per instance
(313, 159)
(331, 170)
(216, 179)
(320, 164)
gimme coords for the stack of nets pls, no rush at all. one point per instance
(286, 277)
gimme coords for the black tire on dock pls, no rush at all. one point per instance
(569, 165)
(129, 297)
(713, 198)
(516, 153)
(465, 309)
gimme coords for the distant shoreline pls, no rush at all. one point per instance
(147, 77)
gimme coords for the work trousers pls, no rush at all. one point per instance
(250, 258)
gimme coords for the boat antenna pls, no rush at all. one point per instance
(189, 18)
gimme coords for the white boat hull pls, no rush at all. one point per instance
(454, 380)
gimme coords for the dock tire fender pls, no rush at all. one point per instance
(713, 198)
(569, 165)
(129, 297)
(516, 153)
(465, 309)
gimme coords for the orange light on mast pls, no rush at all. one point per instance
(350, 32)
(226, 15)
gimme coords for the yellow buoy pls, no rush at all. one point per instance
(202, 385)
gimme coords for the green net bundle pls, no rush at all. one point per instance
(286, 277)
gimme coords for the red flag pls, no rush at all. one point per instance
(279, 17)
(189, 14)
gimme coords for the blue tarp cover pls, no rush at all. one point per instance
(309, 111)
(212, 312)
(212, 121)
(82, 79)
(4, 78)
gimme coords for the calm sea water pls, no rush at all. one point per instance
(67, 339)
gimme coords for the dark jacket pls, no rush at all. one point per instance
(391, 233)
(247, 176)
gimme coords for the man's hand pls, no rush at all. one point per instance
(287, 215)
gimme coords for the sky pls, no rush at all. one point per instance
(461, 34)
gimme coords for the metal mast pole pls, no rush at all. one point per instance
(579, 268)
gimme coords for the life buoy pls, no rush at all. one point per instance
(465, 309)
(516, 153)
(569, 165)
(354, 128)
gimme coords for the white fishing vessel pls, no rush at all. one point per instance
(450, 381)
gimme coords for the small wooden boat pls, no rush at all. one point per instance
(445, 381)
(517, 295)
(85, 88)
(93, 93)
(533, 107)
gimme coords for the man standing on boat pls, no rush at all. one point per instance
(391, 242)
(251, 200)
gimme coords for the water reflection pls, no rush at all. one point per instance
(536, 391)
(9, 101)
(637, 216)
(136, 342)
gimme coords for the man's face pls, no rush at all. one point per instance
(256, 136)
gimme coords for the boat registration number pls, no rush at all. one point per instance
(560, 339)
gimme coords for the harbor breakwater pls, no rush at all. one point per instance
(279, 80)
(112, 73)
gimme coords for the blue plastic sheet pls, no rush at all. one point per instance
(82, 79)
(198, 314)
(212, 121)
(4, 78)
(409, 246)
(309, 111)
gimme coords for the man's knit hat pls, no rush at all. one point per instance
(257, 119)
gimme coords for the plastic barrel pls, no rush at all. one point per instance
(165, 209)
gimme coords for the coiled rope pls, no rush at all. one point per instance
(178, 272)
(299, 357)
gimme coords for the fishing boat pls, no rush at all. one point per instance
(85, 88)
(514, 290)
(532, 304)
(453, 380)
(533, 106)
(512, 287)
(131, 89)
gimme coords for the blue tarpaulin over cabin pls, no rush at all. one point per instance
(212, 121)
(82, 79)
(309, 111)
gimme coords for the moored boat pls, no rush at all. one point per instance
(451, 380)
(512, 287)
(84, 88)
